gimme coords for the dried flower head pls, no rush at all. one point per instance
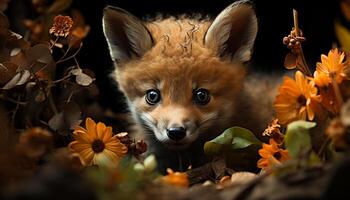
(96, 145)
(134, 147)
(273, 131)
(176, 178)
(35, 142)
(138, 147)
(339, 134)
(271, 154)
(297, 99)
(294, 40)
(61, 26)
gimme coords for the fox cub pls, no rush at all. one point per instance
(184, 80)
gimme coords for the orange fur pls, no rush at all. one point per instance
(172, 56)
(179, 71)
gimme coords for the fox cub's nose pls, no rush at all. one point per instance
(176, 133)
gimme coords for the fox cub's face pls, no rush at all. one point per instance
(181, 76)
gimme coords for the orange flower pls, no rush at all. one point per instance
(61, 26)
(330, 72)
(297, 99)
(331, 66)
(271, 154)
(96, 144)
(176, 178)
(329, 100)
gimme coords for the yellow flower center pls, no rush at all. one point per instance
(97, 146)
(302, 100)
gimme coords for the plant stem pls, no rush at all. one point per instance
(304, 66)
(52, 104)
(296, 23)
(70, 57)
(53, 44)
(323, 147)
(337, 92)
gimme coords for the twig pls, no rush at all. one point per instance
(72, 56)
(53, 44)
(296, 23)
(76, 62)
(337, 92)
(323, 147)
(304, 66)
(22, 103)
(15, 111)
(62, 79)
(65, 53)
(52, 103)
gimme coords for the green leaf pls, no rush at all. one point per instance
(297, 138)
(231, 139)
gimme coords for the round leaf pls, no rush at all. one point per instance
(40, 53)
(290, 62)
(232, 139)
(19, 79)
(297, 138)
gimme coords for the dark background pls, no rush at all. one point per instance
(274, 17)
(275, 21)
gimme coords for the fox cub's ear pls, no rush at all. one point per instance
(233, 31)
(126, 36)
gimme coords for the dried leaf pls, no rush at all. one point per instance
(81, 78)
(66, 120)
(57, 122)
(7, 72)
(15, 51)
(16, 35)
(76, 71)
(19, 79)
(40, 53)
(72, 115)
(24, 78)
(59, 6)
(290, 62)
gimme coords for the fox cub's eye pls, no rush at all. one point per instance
(152, 96)
(201, 96)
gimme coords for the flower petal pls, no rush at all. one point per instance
(101, 129)
(117, 147)
(78, 146)
(91, 127)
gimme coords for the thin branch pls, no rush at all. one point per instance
(22, 103)
(53, 44)
(62, 79)
(304, 66)
(296, 23)
(72, 56)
